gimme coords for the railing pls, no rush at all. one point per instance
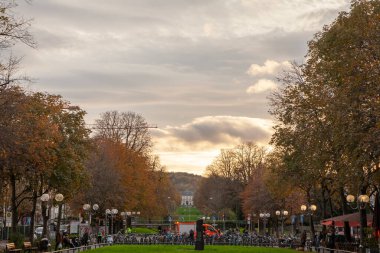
(328, 250)
(82, 248)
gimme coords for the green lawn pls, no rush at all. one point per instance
(188, 214)
(179, 249)
(144, 231)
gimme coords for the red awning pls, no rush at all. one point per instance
(352, 218)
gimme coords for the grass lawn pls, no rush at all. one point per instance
(144, 231)
(188, 213)
(176, 249)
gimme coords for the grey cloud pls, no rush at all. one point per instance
(219, 130)
(170, 60)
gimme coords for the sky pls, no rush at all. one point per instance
(201, 70)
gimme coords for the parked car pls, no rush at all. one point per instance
(38, 232)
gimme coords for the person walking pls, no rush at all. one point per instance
(99, 238)
(58, 241)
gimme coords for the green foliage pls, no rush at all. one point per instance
(328, 110)
(18, 239)
(370, 240)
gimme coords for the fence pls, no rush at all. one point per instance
(82, 248)
(327, 250)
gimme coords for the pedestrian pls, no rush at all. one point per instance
(191, 236)
(303, 239)
(58, 241)
(99, 237)
(85, 238)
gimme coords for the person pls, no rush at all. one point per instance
(303, 239)
(44, 244)
(66, 242)
(191, 236)
(85, 238)
(58, 241)
(129, 230)
(99, 237)
(317, 241)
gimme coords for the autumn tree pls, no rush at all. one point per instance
(216, 196)
(329, 114)
(236, 167)
(127, 127)
(43, 147)
(124, 169)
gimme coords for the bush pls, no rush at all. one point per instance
(17, 239)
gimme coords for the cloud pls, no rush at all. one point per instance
(173, 61)
(192, 146)
(261, 86)
(212, 132)
(269, 68)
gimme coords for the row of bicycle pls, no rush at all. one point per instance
(231, 239)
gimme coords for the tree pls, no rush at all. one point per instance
(128, 127)
(124, 174)
(328, 112)
(43, 147)
(13, 29)
(236, 167)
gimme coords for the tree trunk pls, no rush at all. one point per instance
(343, 200)
(32, 216)
(312, 230)
(13, 203)
(45, 218)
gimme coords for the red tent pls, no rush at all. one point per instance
(352, 218)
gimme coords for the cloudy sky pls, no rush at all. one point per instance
(201, 70)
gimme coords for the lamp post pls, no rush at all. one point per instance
(264, 217)
(309, 210)
(282, 216)
(361, 203)
(87, 208)
(112, 212)
(45, 212)
(59, 198)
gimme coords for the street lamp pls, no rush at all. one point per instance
(310, 210)
(264, 217)
(112, 212)
(87, 208)
(282, 216)
(45, 213)
(361, 203)
(59, 198)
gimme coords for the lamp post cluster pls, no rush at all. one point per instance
(126, 214)
(112, 213)
(361, 201)
(361, 204)
(282, 216)
(310, 210)
(87, 208)
(264, 217)
(45, 199)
